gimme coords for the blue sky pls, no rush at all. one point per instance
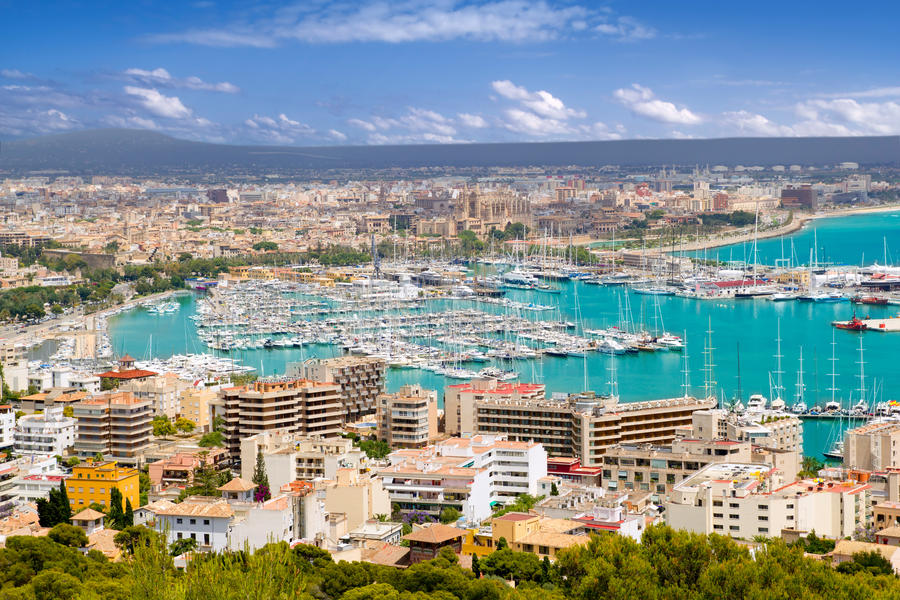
(318, 73)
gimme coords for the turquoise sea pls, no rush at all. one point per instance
(745, 328)
(861, 239)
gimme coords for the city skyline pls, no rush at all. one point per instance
(445, 72)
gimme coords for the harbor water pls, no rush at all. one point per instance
(743, 341)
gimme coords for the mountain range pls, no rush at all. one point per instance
(126, 151)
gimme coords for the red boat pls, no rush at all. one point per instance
(870, 300)
(854, 324)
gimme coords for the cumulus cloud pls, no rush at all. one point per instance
(337, 135)
(362, 124)
(846, 116)
(753, 124)
(397, 22)
(473, 121)
(541, 102)
(151, 99)
(626, 29)
(416, 125)
(162, 78)
(641, 101)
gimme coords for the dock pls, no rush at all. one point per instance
(885, 325)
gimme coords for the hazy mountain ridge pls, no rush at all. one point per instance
(138, 151)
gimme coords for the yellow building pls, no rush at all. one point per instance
(539, 535)
(93, 482)
(195, 406)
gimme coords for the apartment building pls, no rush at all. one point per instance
(178, 469)
(49, 433)
(872, 447)
(460, 401)
(784, 432)
(195, 406)
(744, 500)
(163, 392)
(657, 469)
(93, 481)
(544, 536)
(116, 425)
(7, 426)
(361, 380)
(408, 418)
(581, 425)
(302, 407)
(469, 474)
(294, 457)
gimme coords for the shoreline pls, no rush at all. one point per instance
(797, 223)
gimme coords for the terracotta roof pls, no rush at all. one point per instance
(889, 532)
(237, 485)
(515, 516)
(435, 534)
(198, 509)
(127, 374)
(102, 540)
(127, 358)
(88, 514)
(389, 556)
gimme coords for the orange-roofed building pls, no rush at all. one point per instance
(460, 400)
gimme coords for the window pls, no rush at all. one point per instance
(543, 550)
(193, 521)
(717, 515)
(763, 518)
(734, 528)
(734, 516)
(763, 530)
(734, 505)
(717, 503)
(92, 490)
(763, 507)
(179, 521)
(718, 527)
(206, 521)
(206, 539)
(193, 536)
(179, 535)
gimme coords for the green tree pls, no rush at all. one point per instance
(810, 467)
(128, 518)
(53, 585)
(476, 567)
(55, 509)
(162, 427)
(185, 425)
(68, 535)
(265, 246)
(375, 448)
(116, 516)
(261, 479)
(449, 515)
(554, 491)
(213, 438)
(131, 538)
(867, 562)
(179, 547)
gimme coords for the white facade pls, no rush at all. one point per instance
(470, 474)
(206, 522)
(747, 500)
(272, 521)
(31, 488)
(7, 427)
(50, 433)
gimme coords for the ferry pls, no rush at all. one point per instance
(854, 324)
(870, 300)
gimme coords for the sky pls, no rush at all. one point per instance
(317, 73)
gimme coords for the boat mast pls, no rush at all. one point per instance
(800, 386)
(779, 387)
(833, 360)
(686, 369)
(862, 373)
(708, 365)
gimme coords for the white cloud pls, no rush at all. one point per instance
(15, 74)
(158, 104)
(641, 101)
(627, 29)
(473, 121)
(846, 116)
(523, 121)
(361, 124)
(131, 122)
(754, 124)
(339, 136)
(882, 92)
(161, 77)
(541, 102)
(398, 22)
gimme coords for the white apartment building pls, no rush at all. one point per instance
(49, 433)
(873, 447)
(163, 391)
(290, 457)
(784, 432)
(7, 426)
(744, 500)
(469, 474)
